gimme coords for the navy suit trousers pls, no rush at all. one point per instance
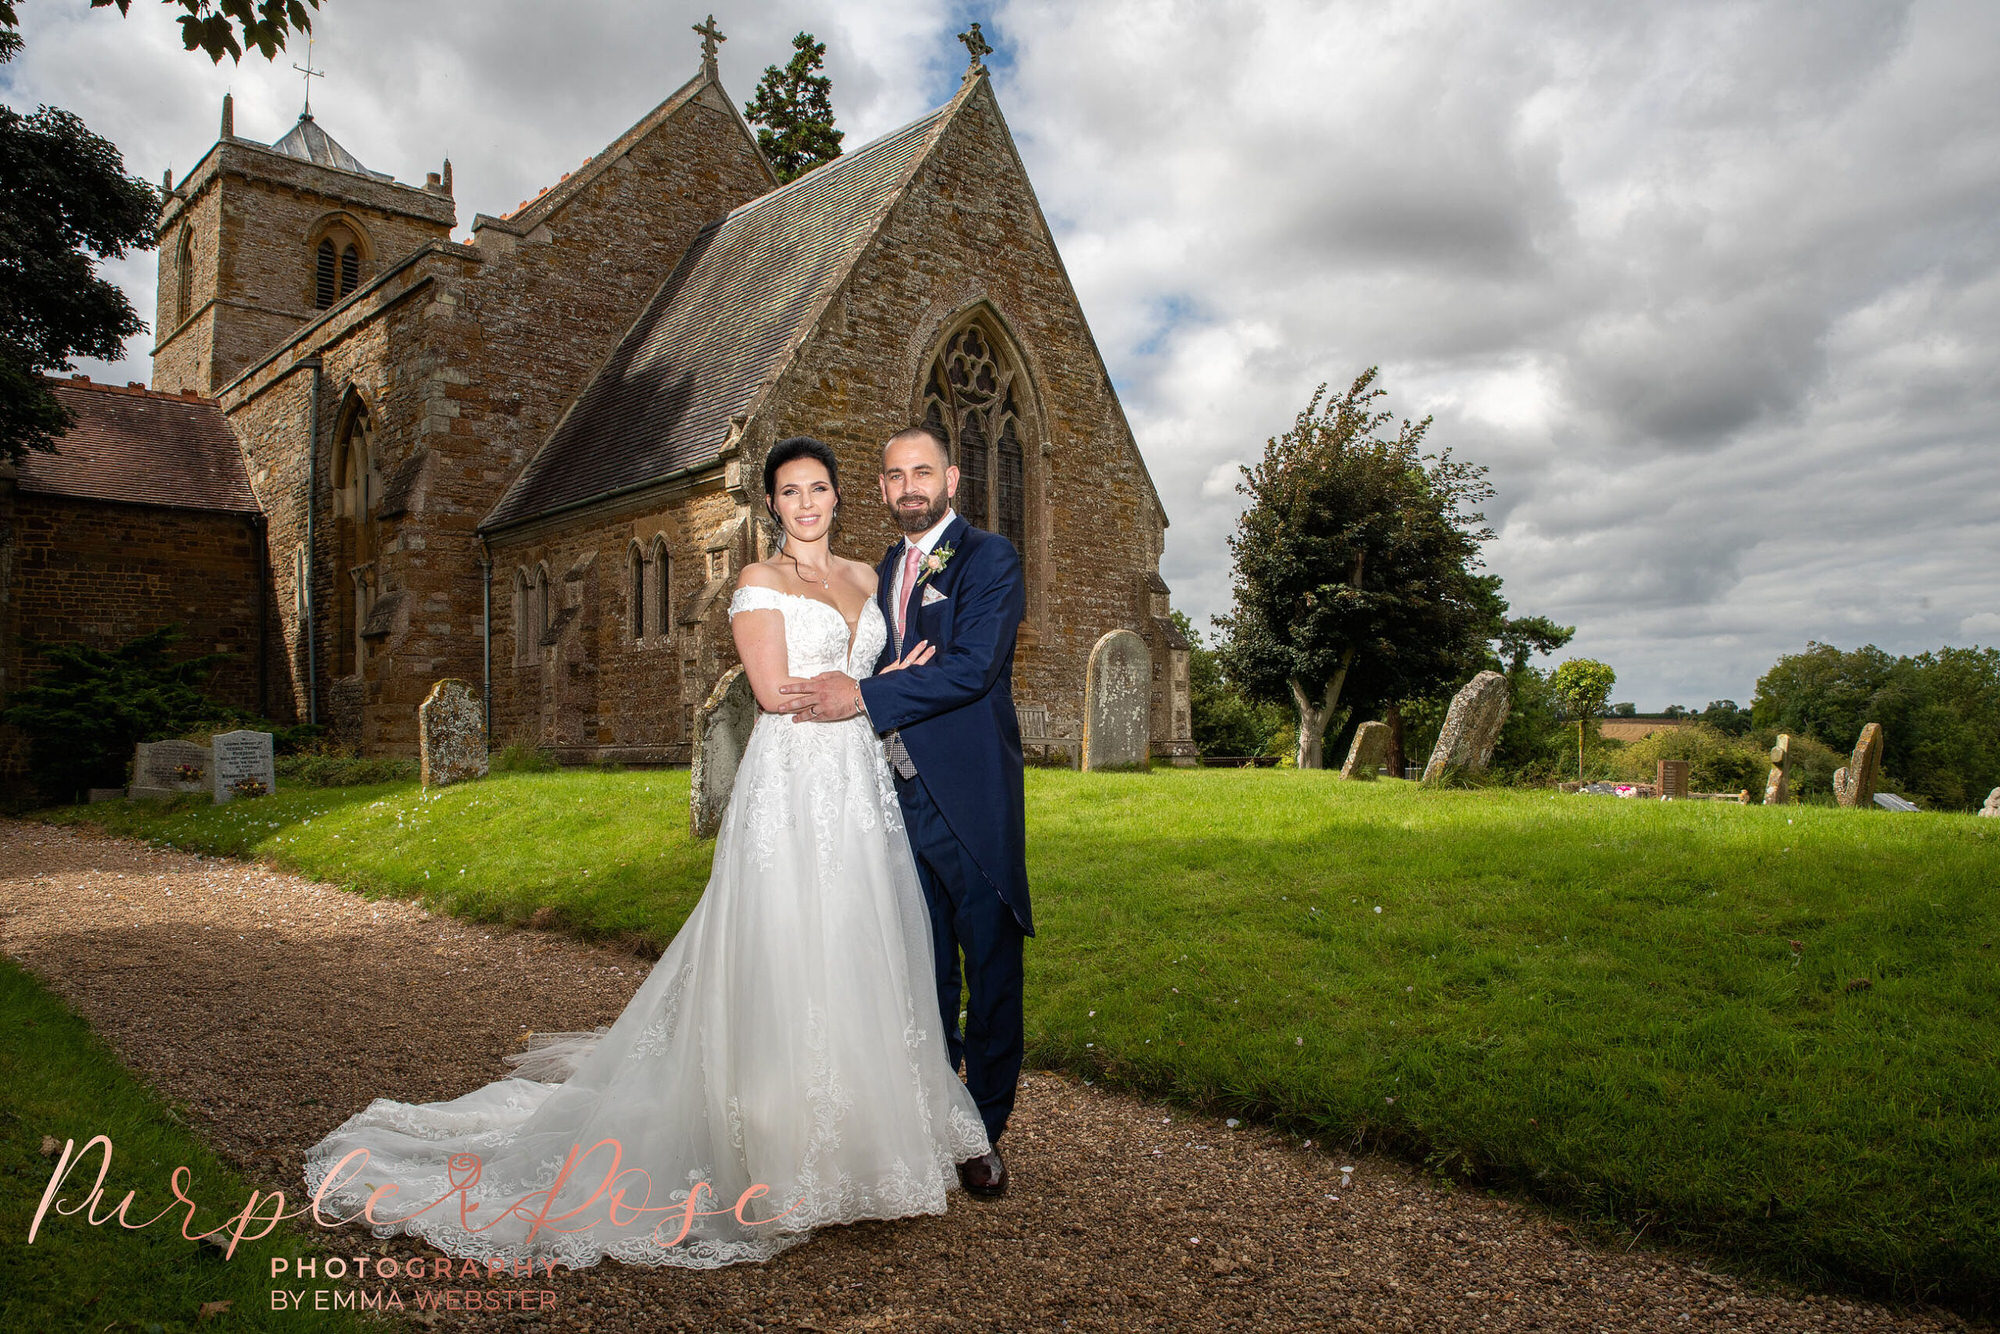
(969, 916)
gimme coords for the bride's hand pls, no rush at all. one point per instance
(920, 653)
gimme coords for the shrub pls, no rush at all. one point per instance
(1717, 762)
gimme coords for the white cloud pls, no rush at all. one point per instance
(1713, 288)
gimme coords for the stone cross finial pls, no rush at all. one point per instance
(976, 44)
(710, 35)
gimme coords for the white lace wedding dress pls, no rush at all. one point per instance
(787, 1038)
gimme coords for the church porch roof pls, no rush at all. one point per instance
(141, 448)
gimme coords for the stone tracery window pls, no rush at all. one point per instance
(357, 489)
(184, 276)
(527, 643)
(336, 266)
(972, 395)
(637, 564)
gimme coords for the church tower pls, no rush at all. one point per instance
(260, 240)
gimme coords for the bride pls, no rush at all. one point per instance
(780, 1068)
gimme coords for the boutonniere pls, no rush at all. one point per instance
(935, 561)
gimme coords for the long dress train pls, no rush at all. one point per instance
(787, 1038)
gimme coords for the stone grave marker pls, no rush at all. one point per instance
(1889, 801)
(1471, 726)
(1671, 778)
(1778, 786)
(1991, 810)
(451, 734)
(1370, 748)
(243, 759)
(1855, 785)
(721, 731)
(157, 768)
(1117, 703)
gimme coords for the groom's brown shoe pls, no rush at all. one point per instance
(984, 1177)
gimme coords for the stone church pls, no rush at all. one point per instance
(533, 461)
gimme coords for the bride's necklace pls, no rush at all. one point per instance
(808, 579)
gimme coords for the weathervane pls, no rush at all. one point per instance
(976, 44)
(710, 35)
(311, 74)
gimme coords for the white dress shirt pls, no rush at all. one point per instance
(923, 542)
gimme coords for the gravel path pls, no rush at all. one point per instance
(275, 1007)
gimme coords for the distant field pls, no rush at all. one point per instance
(1767, 1031)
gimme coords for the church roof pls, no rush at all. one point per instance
(307, 140)
(141, 448)
(717, 332)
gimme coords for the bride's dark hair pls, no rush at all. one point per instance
(789, 450)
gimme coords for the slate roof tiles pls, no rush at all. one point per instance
(716, 332)
(141, 448)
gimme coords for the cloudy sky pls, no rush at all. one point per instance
(1712, 288)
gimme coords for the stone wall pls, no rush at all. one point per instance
(101, 573)
(254, 216)
(465, 360)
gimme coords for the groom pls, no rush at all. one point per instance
(955, 746)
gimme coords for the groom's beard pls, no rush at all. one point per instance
(918, 519)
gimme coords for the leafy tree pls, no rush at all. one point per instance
(1355, 562)
(1581, 685)
(212, 25)
(88, 707)
(795, 109)
(1726, 717)
(64, 197)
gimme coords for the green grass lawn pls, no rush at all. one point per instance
(1769, 1032)
(58, 1082)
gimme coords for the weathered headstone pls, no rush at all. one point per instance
(244, 766)
(1471, 726)
(1778, 786)
(1370, 748)
(1671, 778)
(169, 768)
(1855, 785)
(1991, 810)
(721, 731)
(1889, 801)
(1117, 703)
(451, 734)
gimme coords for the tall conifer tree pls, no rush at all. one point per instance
(794, 109)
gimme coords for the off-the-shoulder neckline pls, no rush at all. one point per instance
(853, 626)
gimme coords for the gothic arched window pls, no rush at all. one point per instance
(663, 589)
(972, 397)
(525, 642)
(336, 265)
(357, 488)
(637, 562)
(184, 276)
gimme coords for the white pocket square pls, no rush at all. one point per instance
(932, 595)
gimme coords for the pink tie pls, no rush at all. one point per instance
(909, 586)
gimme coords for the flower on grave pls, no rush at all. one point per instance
(248, 787)
(935, 561)
(187, 773)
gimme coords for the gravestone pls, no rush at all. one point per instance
(451, 734)
(1370, 748)
(1671, 778)
(1117, 703)
(721, 731)
(1778, 786)
(1855, 785)
(155, 765)
(1471, 726)
(242, 759)
(1889, 801)
(1991, 810)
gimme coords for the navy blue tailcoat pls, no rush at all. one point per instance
(956, 712)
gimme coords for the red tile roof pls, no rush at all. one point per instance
(142, 448)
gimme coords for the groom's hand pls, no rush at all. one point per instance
(827, 698)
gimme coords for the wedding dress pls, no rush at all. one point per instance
(788, 1038)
